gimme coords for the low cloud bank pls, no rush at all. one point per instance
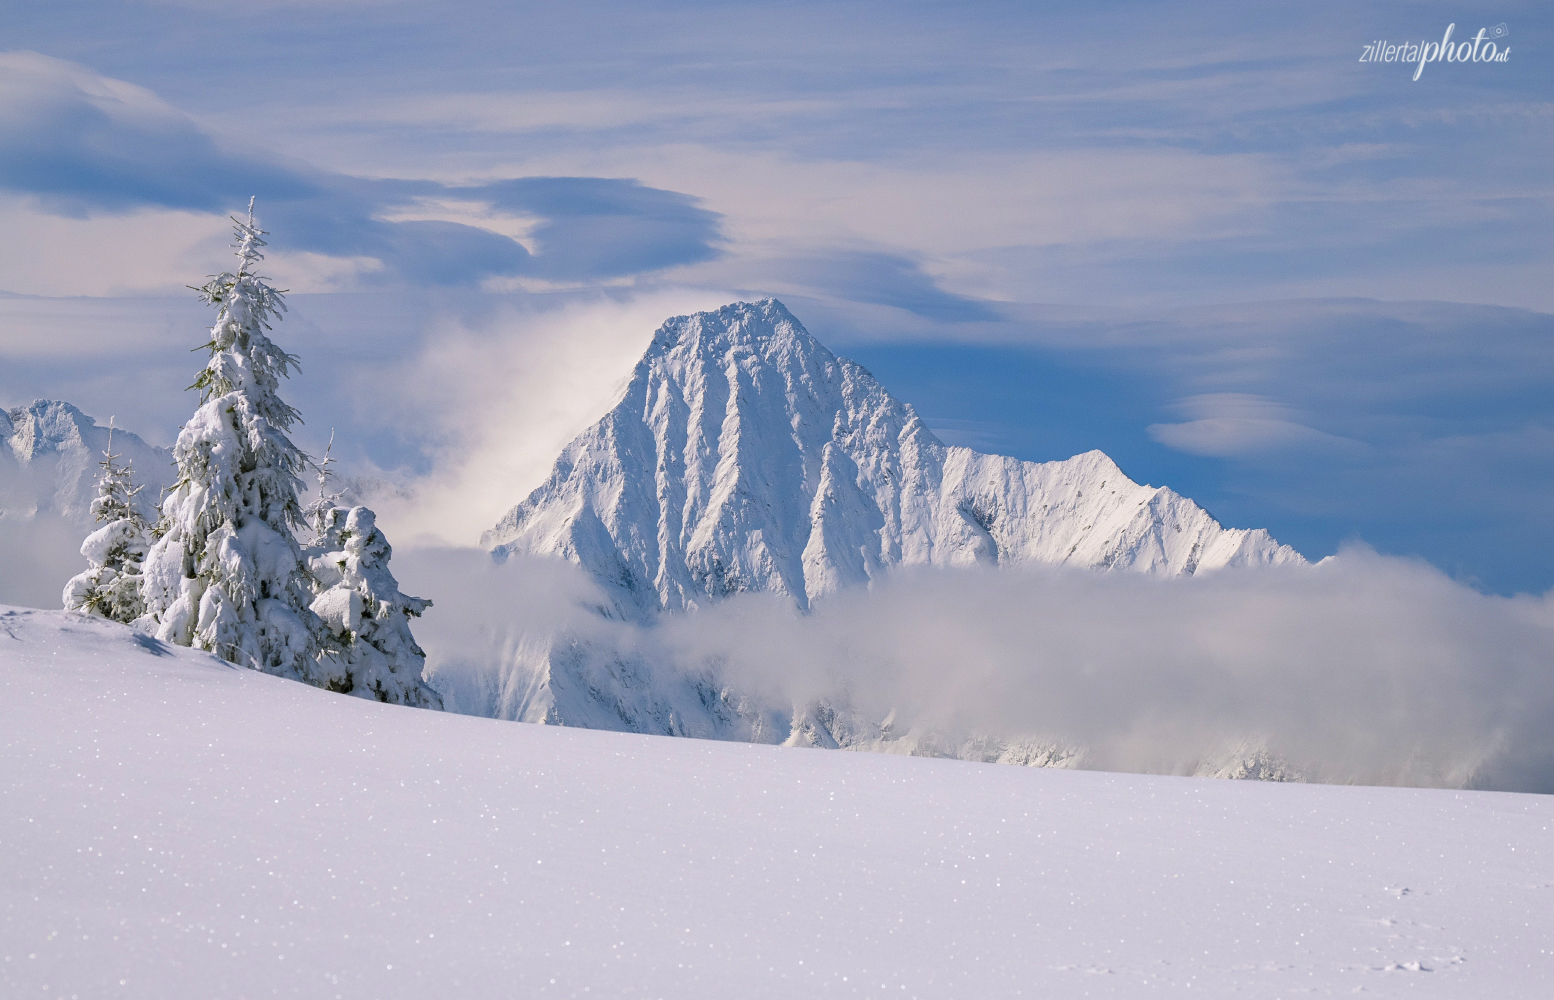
(38, 555)
(1363, 668)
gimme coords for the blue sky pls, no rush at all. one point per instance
(1311, 293)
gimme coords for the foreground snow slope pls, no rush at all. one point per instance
(173, 826)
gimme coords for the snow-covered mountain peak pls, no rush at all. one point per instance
(765, 327)
(745, 456)
(49, 452)
(46, 426)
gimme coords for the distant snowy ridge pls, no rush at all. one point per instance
(745, 456)
(49, 455)
(49, 452)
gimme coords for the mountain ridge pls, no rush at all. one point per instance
(742, 455)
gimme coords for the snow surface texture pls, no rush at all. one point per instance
(745, 457)
(170, 830)
(49, 455)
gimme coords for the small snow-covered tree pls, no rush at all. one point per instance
(319, 511)
(110, 587)
(367, 616)
(227, 574)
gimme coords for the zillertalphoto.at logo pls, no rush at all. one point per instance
(1481, 48)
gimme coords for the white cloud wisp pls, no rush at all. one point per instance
(495, 400)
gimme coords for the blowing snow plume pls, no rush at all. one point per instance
(1362, 668)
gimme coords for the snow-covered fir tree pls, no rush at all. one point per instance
(227, 573)
(368, 618)
(318, 512)
(110, 587)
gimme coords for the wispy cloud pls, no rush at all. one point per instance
(81, 144)
(1243, 425)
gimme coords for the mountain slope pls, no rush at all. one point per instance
(745, 456)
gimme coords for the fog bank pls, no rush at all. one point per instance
(1362, 668)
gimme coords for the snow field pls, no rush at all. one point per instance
(174, 826)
